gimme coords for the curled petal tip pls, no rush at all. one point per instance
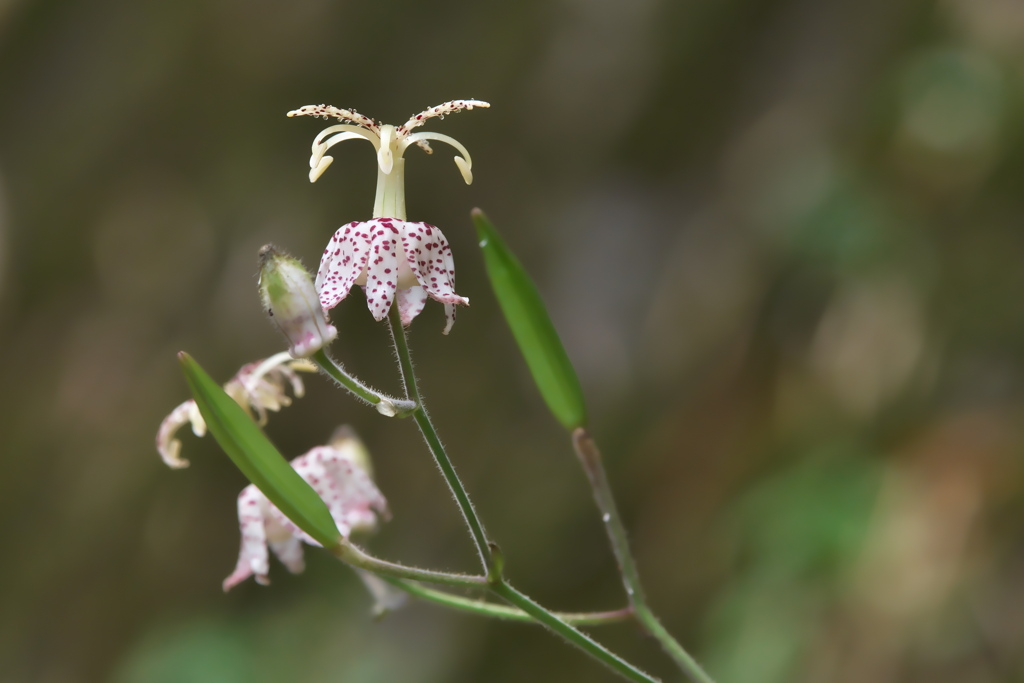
(465, 169)
(318, 154)
(384, 155)
(172, 456)
(168, 446)
(386, 160)
(318, 170)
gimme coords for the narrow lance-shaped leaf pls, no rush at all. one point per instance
(261, 463)
(531, 326)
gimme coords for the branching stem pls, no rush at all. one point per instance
(347, 552)
(391, 407)
(572, 635)
(496, 611)
(490, 556)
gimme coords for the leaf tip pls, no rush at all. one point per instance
(480, 222)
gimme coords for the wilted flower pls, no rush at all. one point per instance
(257, 387)
(389, 256)
(290, 300)
(335, 474)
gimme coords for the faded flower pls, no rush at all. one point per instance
(335, 473)
(257, 387)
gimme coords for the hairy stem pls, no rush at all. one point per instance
(575, 637)
(590, 458)
(490, 556)
(385, 404)
(476, 528)
(347, 552)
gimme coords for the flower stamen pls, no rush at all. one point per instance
(452, 107)
(464, 162)
(318, 162)
(327, 111)
(385, 153)
(394, 260)
(390, 143)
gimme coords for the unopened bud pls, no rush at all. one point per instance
(346, 441)
(291, 301)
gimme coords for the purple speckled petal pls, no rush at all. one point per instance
(342, 262)
(382, 266)
(430, 260)
(449, 314)
(410, 303)
(289, 551)
(347, 490)
(350, 494)
(252, 559)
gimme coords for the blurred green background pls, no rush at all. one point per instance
(782, 240)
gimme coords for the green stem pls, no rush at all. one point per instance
(490, 609)
(384, 404)
(350, 554)
(575, 637)
(476, 528)
(489, 554)
(590, 458)
(670, 645)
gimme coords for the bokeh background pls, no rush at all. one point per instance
(782, 240)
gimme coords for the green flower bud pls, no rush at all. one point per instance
(291, 301)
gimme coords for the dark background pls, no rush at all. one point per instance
(782, 241)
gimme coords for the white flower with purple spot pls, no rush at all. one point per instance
(392, 260)
(257, 387)
(390, 257)
(335, 473)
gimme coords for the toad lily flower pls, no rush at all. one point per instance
(389, 256)
(257, 387)
(335, 474)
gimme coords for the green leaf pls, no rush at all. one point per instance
(531, 326)
(261, 463)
